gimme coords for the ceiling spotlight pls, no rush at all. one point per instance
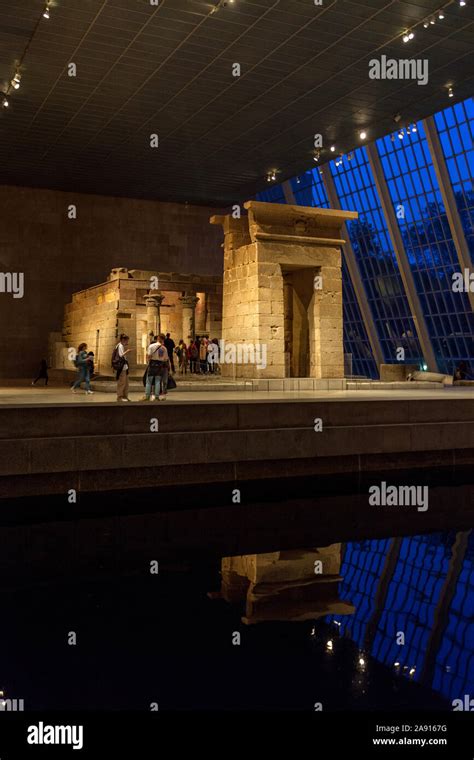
(408, 130)
(426, 24)
(432, 21)
(401, 134)
(316, 155)
(462, 3)
(411, 35)
(332, 148)
(362, 135)
(329, 645)
(441, 15)
(406, 37)
(298, 180)
(46, 11)
(5, 102)
(414, 128)
(450, 92)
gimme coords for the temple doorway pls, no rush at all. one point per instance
(298, 301)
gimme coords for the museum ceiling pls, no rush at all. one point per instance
(98, 78)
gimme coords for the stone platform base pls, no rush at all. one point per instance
(218, 383)
(52, 449)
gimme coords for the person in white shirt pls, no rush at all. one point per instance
(122, 373)
(158, 368)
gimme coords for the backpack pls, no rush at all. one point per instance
(78, 362)
(117, 361)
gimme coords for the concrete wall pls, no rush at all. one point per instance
(60, 256)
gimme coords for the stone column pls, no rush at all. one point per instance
(201, 315)
(189, 304)
(153, 304)
(288, 324)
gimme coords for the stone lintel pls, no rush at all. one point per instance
(307, 240)
(296, 221)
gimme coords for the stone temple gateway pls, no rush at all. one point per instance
(278, 307)
(283, 289)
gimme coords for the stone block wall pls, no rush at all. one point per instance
(270, 296)
(59, 256)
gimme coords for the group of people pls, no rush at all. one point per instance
(157, 372)
(201, 356)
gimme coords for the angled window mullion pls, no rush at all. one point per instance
(449, 201)
(402, 259)
(354, 274)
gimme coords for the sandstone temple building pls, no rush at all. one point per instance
(139, 303)
(281, 289)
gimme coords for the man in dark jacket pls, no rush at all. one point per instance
(170, 346)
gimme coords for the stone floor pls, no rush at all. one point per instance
(20, 395)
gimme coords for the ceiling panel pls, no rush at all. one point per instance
(143, 69)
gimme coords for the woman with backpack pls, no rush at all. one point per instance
(82, 363)
(120, 364)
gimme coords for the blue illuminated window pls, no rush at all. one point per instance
(429, 246)
(456, 133)
(376, 259)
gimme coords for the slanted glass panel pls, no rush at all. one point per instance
(429, 246)
(378, 266)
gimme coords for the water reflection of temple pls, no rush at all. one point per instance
(285, 585)
(422, 586)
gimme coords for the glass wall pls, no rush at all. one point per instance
(429, 245)
(456, 133)
(376, 259)
(309, 190)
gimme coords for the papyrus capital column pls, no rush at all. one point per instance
(153, 304)
(188, 302)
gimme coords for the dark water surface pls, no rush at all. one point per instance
(387, 623)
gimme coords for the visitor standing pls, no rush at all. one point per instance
(193, 357)
(83, 374)
(158, 368)
(211, 357)
(182, 354)
(170, 346)
(43, 373)
(203, 355)
(120, 364)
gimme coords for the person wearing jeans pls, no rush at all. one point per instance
(158, 368)
(82, 364)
